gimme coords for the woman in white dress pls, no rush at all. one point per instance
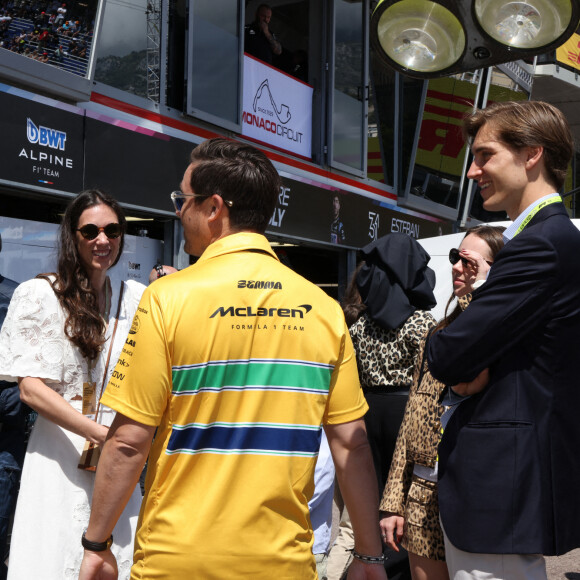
(55, 341)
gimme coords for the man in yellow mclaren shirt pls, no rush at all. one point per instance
(237, 362)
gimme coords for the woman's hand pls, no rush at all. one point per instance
(391, 529)
(478, 266)
(48, 403)
(474, 386)
(98, 434)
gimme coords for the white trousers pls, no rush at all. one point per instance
(470, 566)
(340, 556)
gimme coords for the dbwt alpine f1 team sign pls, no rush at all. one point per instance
(277, 108)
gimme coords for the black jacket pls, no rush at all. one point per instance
(509, 467)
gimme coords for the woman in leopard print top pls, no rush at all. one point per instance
(409, 504)
(385, 307)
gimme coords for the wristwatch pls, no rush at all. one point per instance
(96, 546)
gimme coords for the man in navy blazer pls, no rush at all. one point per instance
(509, 464)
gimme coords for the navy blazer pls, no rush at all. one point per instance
(509, 471)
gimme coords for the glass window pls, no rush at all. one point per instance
(410, 102)
(215, 61)
(349, 96)
(440, 152)
(290, 26)
(122, 46)
(376, 168)
(176, 53)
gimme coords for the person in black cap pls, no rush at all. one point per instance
(409, 506)
(386, 308)
(387, 312)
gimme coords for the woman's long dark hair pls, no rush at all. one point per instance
(492, 236)
(352, 304)
(84, 326)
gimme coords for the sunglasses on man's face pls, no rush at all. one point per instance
(179, 199)
(91, 231)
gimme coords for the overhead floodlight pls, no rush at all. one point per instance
(523, 24)
(421, 35)
(425, 39)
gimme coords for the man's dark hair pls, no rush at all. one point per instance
(240, 174)
(520, 124)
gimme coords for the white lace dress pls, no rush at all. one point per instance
(54, 501)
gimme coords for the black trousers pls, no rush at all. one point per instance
(383, 420)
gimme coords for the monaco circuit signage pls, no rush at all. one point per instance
(277, 108)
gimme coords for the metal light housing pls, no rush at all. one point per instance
(427, 39)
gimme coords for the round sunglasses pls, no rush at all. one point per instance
(91, 231)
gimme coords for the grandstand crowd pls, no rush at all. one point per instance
(48, 31)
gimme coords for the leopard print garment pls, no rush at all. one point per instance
(405, 494)
(386, 358)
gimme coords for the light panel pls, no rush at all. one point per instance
(524, 24)
(421, 35)
(434, 38)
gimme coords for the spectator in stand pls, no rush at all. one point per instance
(259, 40)
(60, 14)
(59, 53)
(73, 47)
(39, 20)
(42, 39)
(82, 51)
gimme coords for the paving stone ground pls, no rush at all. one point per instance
(566, 567)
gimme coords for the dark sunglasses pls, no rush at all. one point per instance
(454, 257)
(91, 231)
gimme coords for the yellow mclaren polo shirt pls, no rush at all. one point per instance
(238, 361)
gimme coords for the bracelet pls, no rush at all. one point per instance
(96, 546)
(369, 559)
